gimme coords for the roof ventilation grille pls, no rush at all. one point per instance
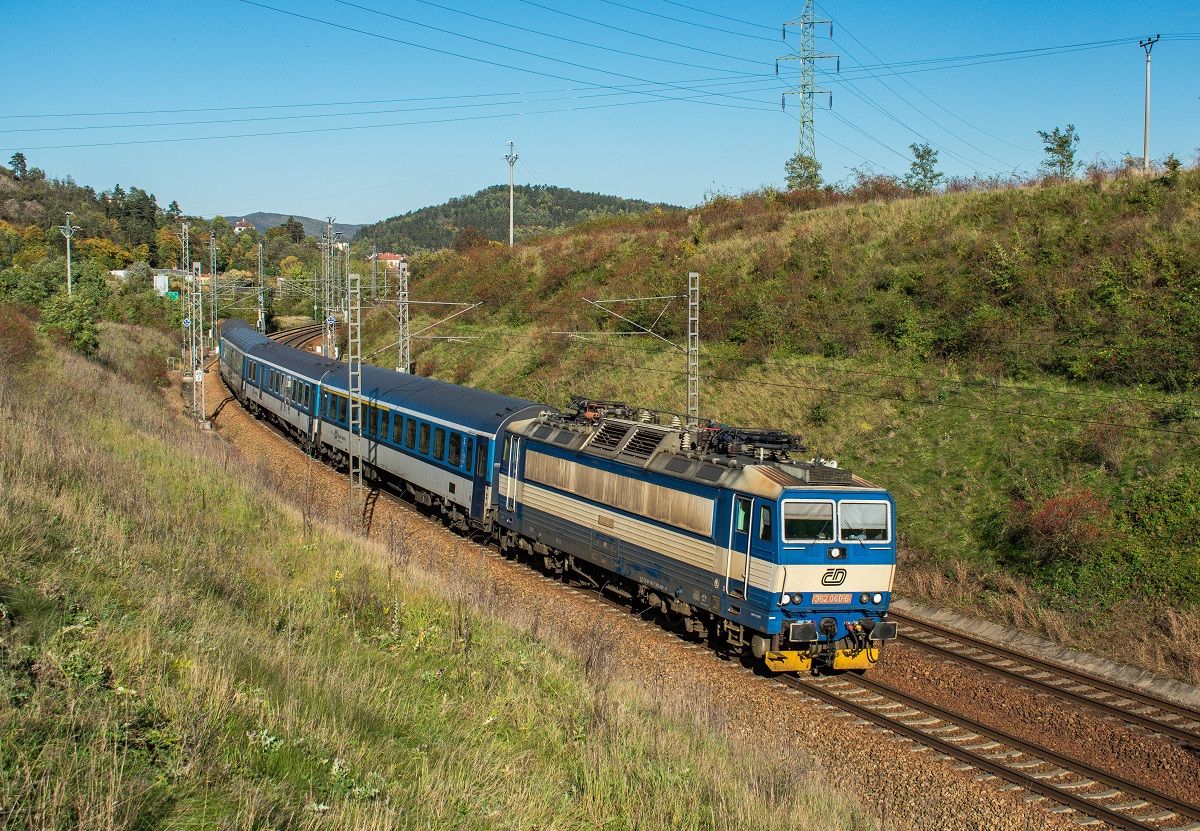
(609, 435)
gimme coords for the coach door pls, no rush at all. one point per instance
(509, 468)
(737, 554)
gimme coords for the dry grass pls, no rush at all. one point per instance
(181, 646)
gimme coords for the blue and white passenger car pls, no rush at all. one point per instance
(435, 440)
(790, 561)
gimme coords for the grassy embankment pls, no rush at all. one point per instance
(1019, 367)
(180, 649)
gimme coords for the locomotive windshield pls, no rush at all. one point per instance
(807, 521)
(867, 521)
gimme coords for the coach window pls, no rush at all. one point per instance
(381, 426)
(741, 515)
(424, 446)
(455, 455)
(410, 433)
(343, 406)
(397, 429)
(765, 532)
(469, 455)
(439, 444)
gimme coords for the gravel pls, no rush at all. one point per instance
(892, 777)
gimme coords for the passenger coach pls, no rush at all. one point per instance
(723, 531)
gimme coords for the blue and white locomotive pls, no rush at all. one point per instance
(718, 529)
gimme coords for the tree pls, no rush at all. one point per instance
(17, 163)
(803, 172)
(173, 210)
(1060, 151)
(923, 175)
(469, 238)
(295, 229)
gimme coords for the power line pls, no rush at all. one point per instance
(246, 107)
(294, 117)
(485, 42)
(722, 16)
(584, 43)
(308, 131)
(635, 33)
(934, 101)
(686, 22)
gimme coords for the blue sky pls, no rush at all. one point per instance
(549, 88)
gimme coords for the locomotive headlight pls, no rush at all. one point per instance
(877, 598)
(864, 598)
(786, 599)
(837, 553)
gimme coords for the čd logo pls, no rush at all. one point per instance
(833, 577)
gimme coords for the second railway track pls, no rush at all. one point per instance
(1100, 797)
(1132, 706)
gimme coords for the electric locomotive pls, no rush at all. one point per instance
(731, 534)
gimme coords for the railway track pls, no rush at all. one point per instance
(298, 335)
(1141, 709)
(1102, 797)
(1099, 797)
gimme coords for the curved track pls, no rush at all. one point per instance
(1103, 797)
(1135, 707)
(299, 336)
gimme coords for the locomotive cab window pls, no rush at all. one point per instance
(765, 531)
(863, 521)
(424, 448)
(807, 521)
(455, 455)
(741, 515)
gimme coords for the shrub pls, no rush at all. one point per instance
(1066, 528)
(18, 342)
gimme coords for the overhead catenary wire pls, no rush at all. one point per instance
(872, 396)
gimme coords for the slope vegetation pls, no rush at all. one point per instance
(182, 648)
(1018, 366)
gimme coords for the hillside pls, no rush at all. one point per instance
(312, 227)
(1019, 366)
(539, 209)
(182, 646)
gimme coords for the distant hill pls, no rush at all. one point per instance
(313, 227)
(539, 209)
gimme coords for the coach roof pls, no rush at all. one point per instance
(472, 408)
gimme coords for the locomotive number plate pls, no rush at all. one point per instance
(831, 598)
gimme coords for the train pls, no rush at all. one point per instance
(730, 534)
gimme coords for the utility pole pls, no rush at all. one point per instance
(212, 318)
(808, 89)
(374, 270)
(185, 296)
(1148, 45)
(354, 390)
(404, 355)
(262, 306)
(327, 286)
(693, 351)
(68, 231)
(511, 158)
